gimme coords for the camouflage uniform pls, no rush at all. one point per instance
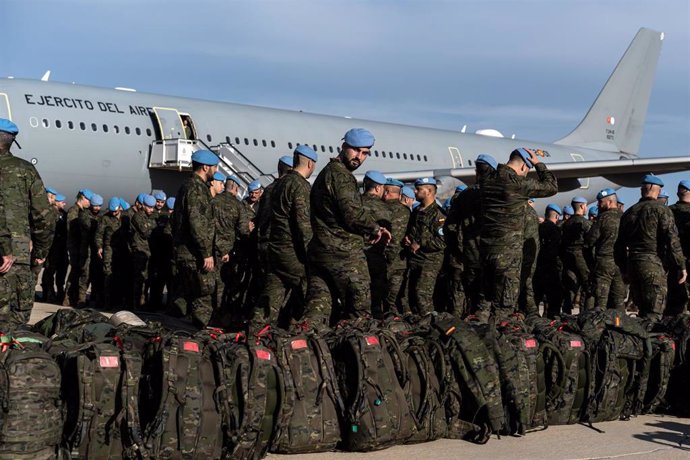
(575, 268)
(111, 240)
(423, 267)
(158, 268)
(504, 197)
(374, 253)
(227, 215)
(530, 249)
(338, 278)
(395, 255)
(73, 248)
(87, 222)
(193, 234)
(289, 235)
(55, 267)
(547, 277)
(28, 219)
(468, 203)
(678, 293)
(648, 232)
(453, 267)
(607, 289)
(142, 227)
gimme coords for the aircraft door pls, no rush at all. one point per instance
(5, 111)
(584, 181)
(170, 123)
(455, 157)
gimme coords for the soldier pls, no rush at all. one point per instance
(141, 227)
(606, 284)
(663, 197)
(263, 214)
(567, 213)
(575, 266)
(157, 262)
(193, 234)
(646, 235)
(407, 197)
(547, 277)
(247, 247)
(504, 196)
(89, 267)
(26, 216)
(110, 243)
(530, 249)
(228, 219)
(56, 264)
(678, 293)
(393, 252)
(51, 193)
(621, 205)
(425, 247)
(74, 245)
(593, 213)
(288, 237)
(372, 201)
(338, 280)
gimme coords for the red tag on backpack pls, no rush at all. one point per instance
(191, 346)
(263, 354)
(372, 340)
(531, 343)
(109, 361)
(575, 344)
(298, 344)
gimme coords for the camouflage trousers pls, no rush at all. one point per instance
(84, 274)
(648, 287)
(376, 263)
(53, 277)
(193, 291)
(395, 273)
(421, 281)
(72, 287)
(456, 303)
(471, 280)
(575, 278)
(500, 279)
(548, 288)
(678, 294)
(140, 271)
(338, 288)
(17, 289)
(526, 302)
(607, 289)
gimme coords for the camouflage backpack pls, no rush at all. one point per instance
(679, 380)
(376, 411)
(663, 355)
(77, 325)
(183, 419)
(312, 401)
(31, 410)
(250, 395)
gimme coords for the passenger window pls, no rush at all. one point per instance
(469, 162)
(323, 149)
(376, 153)
(127, 129)
(263, 142)
(316, 149)
(256, 143)
(273, 144)
(138, 131)
(246, 141)
(82, 125)
(404, 156)
(419, 158)
(70, 125)
(46, 123)
(208, 137)
(425, 158)
(397, 155)
(117, 129)
(290, 145)
(94, 128)
(227, 139)
(237, 140)
(105, 128)
(58, 124)
(148, 132)
(330, 148)
(338, 149)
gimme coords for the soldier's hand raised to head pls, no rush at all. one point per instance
(533, 158)
(683, 276)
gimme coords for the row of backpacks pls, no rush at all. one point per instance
(78, 386)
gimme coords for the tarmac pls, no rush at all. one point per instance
(644, 437)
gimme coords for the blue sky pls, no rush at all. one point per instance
(530, 68)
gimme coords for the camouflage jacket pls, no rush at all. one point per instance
(192, 222)
(648, 229)
(290, 217)
(452, 231)
(380, 212)
(60, 238)
(5, 235)
(227, 214)
(426, 228)
(88, 222)
(263, 213)
(573, 234)
(339, 221)
(603, 233)
(469, 208)
(400, 217)
(504, 197)
(531, 243)
(549, 246)
(109, 233)
(681, 215)
(73, 229)
(26, 209)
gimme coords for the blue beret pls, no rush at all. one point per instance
(460, 188)
(159, 195)
(87, 193)
(487, 159)
(140, 198)
(170, 202)
(684, 184)
(234, 179)
(8, 127)
(593, 211)
(219, 176)
(652, 179)
(663, 194)
(376, 177)
(394, 182)
(307, 151)
(568, 210)
(96, 200)
(446, 204)
(579, 199)
(149, 201)
(416, 204)
(605, 192)
(530, 199)
(408, 192)
(124, 204)
(524, 154)
(554, 207)
(359, 137)
(253, 186)
(620, 201)
(51, 190)
(59, 197)
(286, 160)
(205, 157)
(425, 181)
(114, 204)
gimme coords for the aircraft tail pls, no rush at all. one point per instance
(616, 119)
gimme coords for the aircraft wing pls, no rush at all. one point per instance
(624, 172)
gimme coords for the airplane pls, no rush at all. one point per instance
(120, 142)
